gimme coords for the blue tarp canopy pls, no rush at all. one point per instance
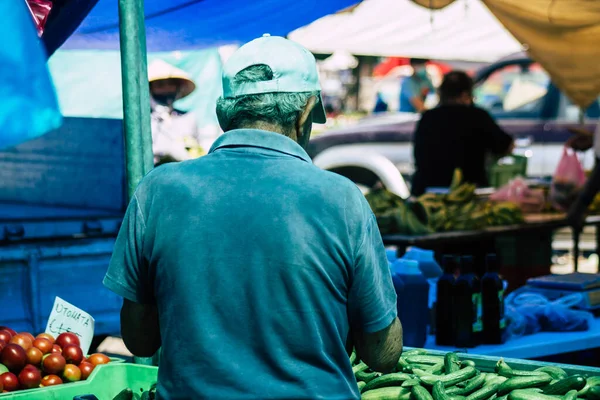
(187, 24)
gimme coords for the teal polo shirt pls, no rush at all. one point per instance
(259, 262)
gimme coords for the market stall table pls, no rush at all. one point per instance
(538, 345)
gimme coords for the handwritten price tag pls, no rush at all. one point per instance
(65, 317)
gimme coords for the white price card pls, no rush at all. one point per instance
(65, 317)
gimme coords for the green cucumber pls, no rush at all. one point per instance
(420, 393)
(468, 386)
(403, 365)
(495, 379)
(485, 392)
(410, 383)
(468, 363)
(387, 393)
(554, 372)
(422, 359)
(436, 369)
(359, 367)
(367, 375)
(439, 391)
(504, 369)
(590, 382)
(414, 352)
(574, 382)
(394, 379)
(451, 363)
(456, 398)
(523, 382)
(593, 393)
(361, 386)
(571, 395)
(450, 379)
(353, 358)
(528, 395)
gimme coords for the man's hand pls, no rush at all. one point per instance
(140, 328)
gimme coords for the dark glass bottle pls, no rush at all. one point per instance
(492, 295)
(444, 306)
(467, 297)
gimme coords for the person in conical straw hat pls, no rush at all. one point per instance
(174, 132)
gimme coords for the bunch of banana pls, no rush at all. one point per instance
(394, 215)
(506, 213)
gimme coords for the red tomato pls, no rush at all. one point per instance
(54, 364)
(29, 335)
(72, 373)
(9, 381)
(22, 341)
(72, 354)
(6, 328)
(2, 344)
(34, 356)
(46, 336)
(5, 336)
(67, 338)
(13, 357)
(43, 344)
(98, 359)
(30, 378)
(51, 380)
(56, 349)
(86, 369)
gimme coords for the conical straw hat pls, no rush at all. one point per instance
(161, 70)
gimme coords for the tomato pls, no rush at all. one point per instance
(2, 344)
(98, 359)
(67, 338)
(14, 357)
(72, 354)
(72, 373)
(86, 369)
(5, 335)
(30, 378)
(29, 335)
(9, 381)
(51, 380)
(56, 349)
(34, 356)
(54, 364)
(46, 336)
(6, 328)
(22, 341)
(43, 344)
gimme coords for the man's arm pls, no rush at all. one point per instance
(380, 350)
(376, 330)
(140, 328)
(499, 142)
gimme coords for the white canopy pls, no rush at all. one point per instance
(465, 30)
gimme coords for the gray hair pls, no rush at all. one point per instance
(280, 109)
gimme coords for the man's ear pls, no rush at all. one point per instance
(310, 104)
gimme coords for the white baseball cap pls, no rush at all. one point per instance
(294, 70)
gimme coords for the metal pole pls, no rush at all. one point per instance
(136, 93)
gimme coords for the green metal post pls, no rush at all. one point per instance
(136, 93)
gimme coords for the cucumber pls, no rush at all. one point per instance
(495, 379)
(590, 382)
(468, 363)
(593, 393)
(367, 375)
(450, 379)
(436, 369)
(423, 359)
(394, 379)
(414, 352)
(468, 387)
(387, 393)
(353, 358)
(439, 391)
(574, 382)
(571, 395)
(523, 382)
(504, 369)
(403, 365)
(359, 367)
(457, 397)
(554, 372)
(484, 392)
(420, 393)
(528, 395)
(361, 386)
(451, 363)
(410, 383)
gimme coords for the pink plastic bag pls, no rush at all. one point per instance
(517, 191)
(567, 180)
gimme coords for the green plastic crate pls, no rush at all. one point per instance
(105, 382)
(506, 169)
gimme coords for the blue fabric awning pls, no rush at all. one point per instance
(193, 24)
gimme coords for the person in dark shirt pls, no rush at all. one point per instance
(456, 134)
